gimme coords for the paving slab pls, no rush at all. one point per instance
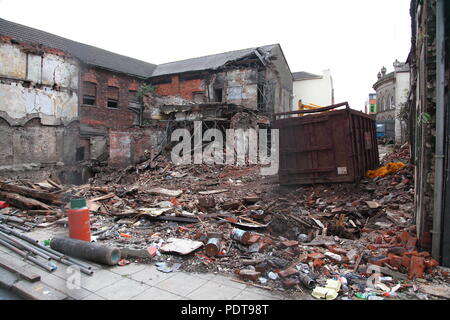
(227, 280)
(93, 296)
(128, 269)
(62, 285)
(100, 280)
(181, 284)
(37, 291)
(151, 276)
(214, 291)
(157, 294)
(7, 279)
(124, 289)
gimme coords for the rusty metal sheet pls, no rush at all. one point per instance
(327, 147)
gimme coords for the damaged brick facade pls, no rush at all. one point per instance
(86, 98)
(38, 111)
(432, 200)
(252, 80)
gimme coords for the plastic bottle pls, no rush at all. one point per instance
(79, 220)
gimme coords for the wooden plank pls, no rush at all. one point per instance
(107, 196)
(21, 202)
(31, 193)
(15, 268)
(387, 271)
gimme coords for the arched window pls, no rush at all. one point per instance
(392, 102)
(388, 103)
(382, 104)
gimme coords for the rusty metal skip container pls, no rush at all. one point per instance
(325, 145)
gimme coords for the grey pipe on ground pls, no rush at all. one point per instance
(86, 250)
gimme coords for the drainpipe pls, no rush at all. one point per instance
(440, 114)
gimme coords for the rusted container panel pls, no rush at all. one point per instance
(326, 147)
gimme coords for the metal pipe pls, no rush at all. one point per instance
(65, 261)
(440, 114)
(306, 280)
(47, 249)
(24, 246)
(49, 268)
(18, 226)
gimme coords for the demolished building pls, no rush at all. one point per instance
(429, 124)
(64, 102)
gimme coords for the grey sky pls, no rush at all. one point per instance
(353, 38)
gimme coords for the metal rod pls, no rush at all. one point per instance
(23, 246)
(28, 257)
(65, 261)
(47, 249)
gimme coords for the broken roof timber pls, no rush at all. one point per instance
(211, 62)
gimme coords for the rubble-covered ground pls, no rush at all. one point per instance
(297, 237)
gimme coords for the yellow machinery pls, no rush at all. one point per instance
(302, 106)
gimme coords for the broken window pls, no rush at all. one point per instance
(113, 97)
(218, 95)
(89, 93)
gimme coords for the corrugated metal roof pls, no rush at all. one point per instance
(86, 53)
(207, 62)
(302, 75)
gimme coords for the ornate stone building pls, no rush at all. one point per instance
(392, 94)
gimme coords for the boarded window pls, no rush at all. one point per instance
(113, 97)
(89, 93)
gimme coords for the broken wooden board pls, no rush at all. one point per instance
(165, 192)
(235, 221)
(22, 202)
(205, 193)
(31, 193)
(93, 206)
(386, 271)
(177, 219)
(153, 212)
(373, 204)
(15, 268)
(181, 246)
(106, 196)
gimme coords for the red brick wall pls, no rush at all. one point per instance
(183, 88)
(100, 114)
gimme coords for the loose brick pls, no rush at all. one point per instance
(318, 263)
(290, 243)
(395, 261)
(316, 255)
(288, 272)
(416, 268)
(289, 283)
(379, 261)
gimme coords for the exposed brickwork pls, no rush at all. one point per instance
(182, 88)
(100, 114)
